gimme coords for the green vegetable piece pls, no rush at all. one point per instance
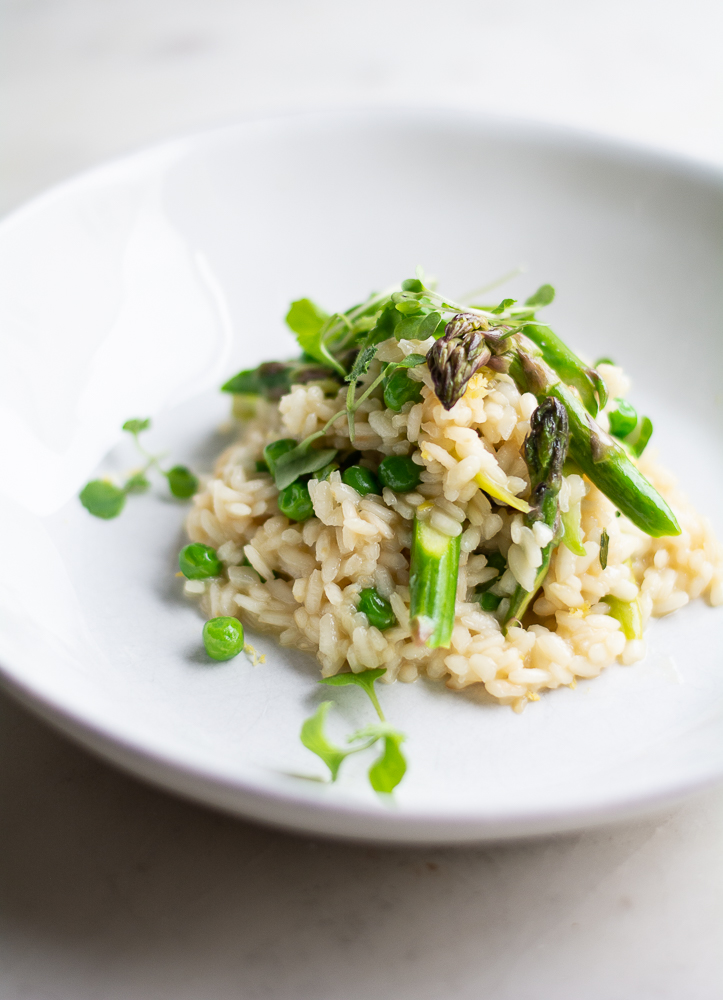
(314, 739)
(362, 480)
(488, 601)
(399, 473)
(198, 562)
(542, 297)
(623, 419)
(629, 615)
(223, 638)
(412, 285)
(377, 609)
(261, 466)
(295, 503)
(181, 482)
(497, 561)
(386, 772)
(545, 452)
(136, 426)
(102, 499)
(572, 529)
(604, 361)
(274, 451)
(364, 679)
(137, 483)
(399, 389)
(639, 441)
(433, 575)
(568, 366)
(604, 548)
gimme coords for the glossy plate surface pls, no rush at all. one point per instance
(135, 289)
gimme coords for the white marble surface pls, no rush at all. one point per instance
(113, 890)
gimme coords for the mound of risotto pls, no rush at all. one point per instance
(448, 490)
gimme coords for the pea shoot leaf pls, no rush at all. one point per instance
(504, 304)
(542, 297)
(102, 499)
(411, 361)
(300, 461)
(270, 380)
(314, 738)
(641, 437)
(136, 426)
(311, 326)
(181, 482)
(386, 773)
(306, 319)
(365, 680)
(389, 769)
(362, 361)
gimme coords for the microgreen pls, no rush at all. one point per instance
(181, 482)
(104, 499)
(314, 738)
(136, 426)
(389, 769)
(364, 680)
(544, 295)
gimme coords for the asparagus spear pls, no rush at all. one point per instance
(568, 366)
(603, 460)
(461, 352)
(433, 584)
(545, 451)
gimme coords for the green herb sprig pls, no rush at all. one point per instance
(390, 767)
(104, 499)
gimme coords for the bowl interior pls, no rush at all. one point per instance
(135, 289)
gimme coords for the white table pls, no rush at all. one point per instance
(113, 890)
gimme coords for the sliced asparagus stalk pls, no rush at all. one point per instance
(545, 451)
(433, 584)
(628, 614)
(568, 366)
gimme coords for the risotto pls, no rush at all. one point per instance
(468, 501)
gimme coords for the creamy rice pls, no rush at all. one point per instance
(315, 570)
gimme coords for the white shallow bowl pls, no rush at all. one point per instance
(135, 289)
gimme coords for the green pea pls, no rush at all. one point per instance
(623, 419)
(488, 601)
(274, 451)
(377, 609)
(399, 473)
(223, 638)
(399, 389)
(198, 562)
(362, 480)
(295, 503)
